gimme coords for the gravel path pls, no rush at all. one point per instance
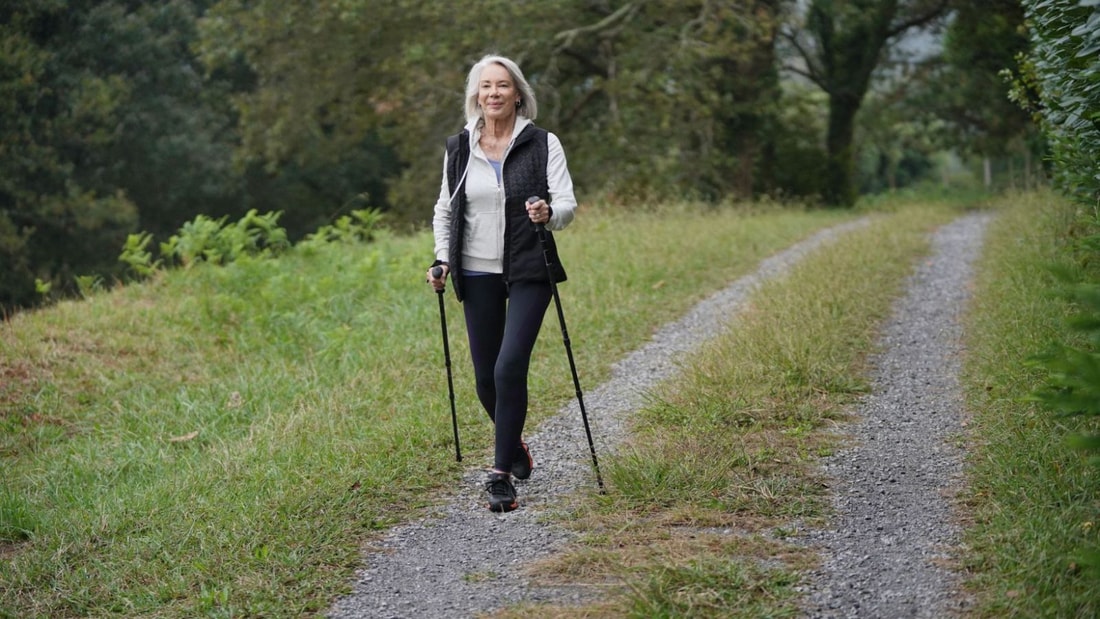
(887, 554)
(461, 559)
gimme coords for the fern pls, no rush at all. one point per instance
(360, 226)
(136, 254)
(215, 241)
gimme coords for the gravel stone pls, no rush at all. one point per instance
(461, 560)
(888, 551)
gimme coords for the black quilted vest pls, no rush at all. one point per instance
(524, 175)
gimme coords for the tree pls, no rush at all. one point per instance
(659, 97)
(969, 90)
(171, 149)
(896, 142)
(112, 125)
(667, 98)
(55, 221)
(841, 45)
(354, 82)
(748, 88)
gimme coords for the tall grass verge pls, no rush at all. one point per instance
(1035, 500)
(221, 441)
(720, 468)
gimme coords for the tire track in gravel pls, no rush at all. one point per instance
(888, 552)
(461, 559)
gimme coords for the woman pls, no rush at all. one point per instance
(486, 240)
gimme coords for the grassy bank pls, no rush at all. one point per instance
(720, 470)
(1035, 501)
(221, 441)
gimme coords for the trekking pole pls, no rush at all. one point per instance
(541, 229)
(437, 272)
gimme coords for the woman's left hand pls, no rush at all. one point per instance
(539, 212)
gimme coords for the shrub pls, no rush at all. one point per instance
(212, 240)
(1062, 82)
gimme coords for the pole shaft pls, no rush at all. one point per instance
(450, 381)
(569, 353)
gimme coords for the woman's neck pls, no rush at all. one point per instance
(499, 129)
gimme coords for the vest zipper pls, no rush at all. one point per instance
(503, 197)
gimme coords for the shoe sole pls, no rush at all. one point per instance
(503, 507)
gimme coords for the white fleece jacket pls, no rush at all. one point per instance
(483, 249)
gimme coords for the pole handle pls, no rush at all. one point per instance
(437, 272)
(538, 227)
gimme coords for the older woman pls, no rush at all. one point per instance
(486, 241)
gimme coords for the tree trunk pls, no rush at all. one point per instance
(751, 82)
(744, 175)
(987, 172)
(1027, 169)
(849, 38)
(840, 186)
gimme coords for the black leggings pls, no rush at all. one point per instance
(503, 323)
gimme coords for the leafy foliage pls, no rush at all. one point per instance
(1034, 501)
(137, 255)
(359, 226)
(217, 241)
(1074, 370)
(54, 217)
(1065, 67)
(679, 98)
(111, 125)
(128, 115)
(656, 97)
(982, 42)
(1066, 62)
(209, 240)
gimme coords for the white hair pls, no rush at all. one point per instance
(528, 105)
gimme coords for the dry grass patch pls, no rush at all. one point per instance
(634, 568)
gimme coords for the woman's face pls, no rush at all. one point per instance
(497, 94)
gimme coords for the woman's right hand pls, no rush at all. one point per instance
(439, 283)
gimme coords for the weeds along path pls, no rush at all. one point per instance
(462, 559)
(888, 551)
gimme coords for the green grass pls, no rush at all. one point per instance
(720, 468)
(222, 441)
(1035, 501)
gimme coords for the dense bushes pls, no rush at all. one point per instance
(1065, 66)
(1063, 72)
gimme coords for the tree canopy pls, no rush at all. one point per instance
(131, 115)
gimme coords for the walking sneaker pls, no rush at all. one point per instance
(502, 494)
(522, 464)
